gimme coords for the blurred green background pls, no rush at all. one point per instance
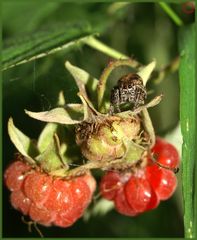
(141, 30)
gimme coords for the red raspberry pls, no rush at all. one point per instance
(167, 185)
(81, 192)
(122, 205)
(153, 174)
(41, 215)
(154, 201)
(62, 220)
(138, 193)
(81, 195)
(110, 184)
(46, 200)
(15, 174)
(166, 153)
(142, 191)
(20, 201)
(163, 181)
(60, 197)
(37, 187)
(90, 182)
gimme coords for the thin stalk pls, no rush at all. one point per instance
(177, 20)
(98, 45)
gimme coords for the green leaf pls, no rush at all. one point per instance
(188, 123)
(70, 114)
(44, 43)
(23, 143)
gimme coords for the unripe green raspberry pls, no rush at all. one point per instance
(104, 140)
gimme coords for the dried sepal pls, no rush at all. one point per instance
(22, 143)
(70, 114)
(61, 99)
(156, 100)
(83, 80)
(51, 158)
(89, 111)
(148, 126)
(146, 71)
(133, 152)
(46, 136)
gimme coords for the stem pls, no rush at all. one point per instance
(177, 20)
(98, 45)
(92, 165)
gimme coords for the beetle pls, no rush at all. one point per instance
(129, 89)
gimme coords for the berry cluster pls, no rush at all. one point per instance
(134, 193)
(57, 201)
(48, 200)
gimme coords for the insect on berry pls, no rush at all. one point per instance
(130, 89)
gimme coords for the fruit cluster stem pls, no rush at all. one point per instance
(93, 165)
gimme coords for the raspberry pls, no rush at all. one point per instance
(134, 193)
(166, 153)
(154, 174)
(90, 182)
(122, 205)
(162, 180)
(167, 184)
(15, 174)
(110, 184)
(154, 201)
(48, 201)
(138, 193)
(62, 220)
(60, 197)
(20, 201)
(81, 193)
(41, 215)
(37, 187)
